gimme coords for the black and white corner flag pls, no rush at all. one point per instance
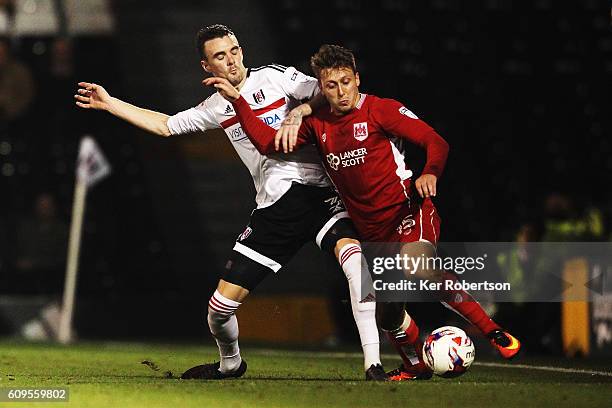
(92, 166)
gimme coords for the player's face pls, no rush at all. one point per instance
(223, 58)
(340, 86)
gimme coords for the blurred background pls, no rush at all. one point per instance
(520, 89)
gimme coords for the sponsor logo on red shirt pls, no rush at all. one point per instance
(347, 159)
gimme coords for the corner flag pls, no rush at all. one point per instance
(92, 167)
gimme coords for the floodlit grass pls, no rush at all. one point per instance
(111, 375)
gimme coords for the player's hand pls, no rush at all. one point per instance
(287, 134)
(92, 96)
(223, 87)
(426, 185)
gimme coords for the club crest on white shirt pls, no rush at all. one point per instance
(360, 131)
(259, 96)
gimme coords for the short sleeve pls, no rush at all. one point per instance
(298, 85)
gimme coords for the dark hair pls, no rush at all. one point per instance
(210, 32)
(332, 56)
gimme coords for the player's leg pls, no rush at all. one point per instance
(460, 301)
(242, 276)
(267, 243)
(338, 236)
(404, 336)
(223, 323)
(401, 329)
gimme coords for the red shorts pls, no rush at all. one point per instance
(416, 223)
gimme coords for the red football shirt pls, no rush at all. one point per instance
(361, 157)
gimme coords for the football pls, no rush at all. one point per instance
(448, 351)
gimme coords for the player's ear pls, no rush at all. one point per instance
(357, 81)
(205, 66)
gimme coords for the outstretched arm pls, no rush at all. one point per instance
(93, 96)
(260, 134)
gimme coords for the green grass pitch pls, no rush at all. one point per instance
(111, 375)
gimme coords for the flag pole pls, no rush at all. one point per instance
(92, 167)
(74, 246)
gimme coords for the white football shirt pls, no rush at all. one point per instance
(271, 91)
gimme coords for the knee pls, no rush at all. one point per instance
(342, 242)
(341, 233)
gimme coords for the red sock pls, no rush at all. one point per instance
(464, 304)
(407, 333)
(405, 339)
(412, 333)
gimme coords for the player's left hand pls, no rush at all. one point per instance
(426, 185)
(223, 87)
(287, 134)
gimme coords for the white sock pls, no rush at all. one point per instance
(363, 301)
(224, 327)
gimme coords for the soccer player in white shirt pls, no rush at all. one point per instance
(295, 200)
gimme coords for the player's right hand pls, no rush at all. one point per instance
(92, 96)
(224, 88)
(287, 134)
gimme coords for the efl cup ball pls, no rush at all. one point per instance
(448, 351)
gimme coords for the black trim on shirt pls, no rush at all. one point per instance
(275, 67)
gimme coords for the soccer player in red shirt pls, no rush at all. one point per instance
(355, 135)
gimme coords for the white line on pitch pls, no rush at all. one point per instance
(547, 368)
(326, 354)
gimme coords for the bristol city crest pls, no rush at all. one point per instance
(360, 131)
